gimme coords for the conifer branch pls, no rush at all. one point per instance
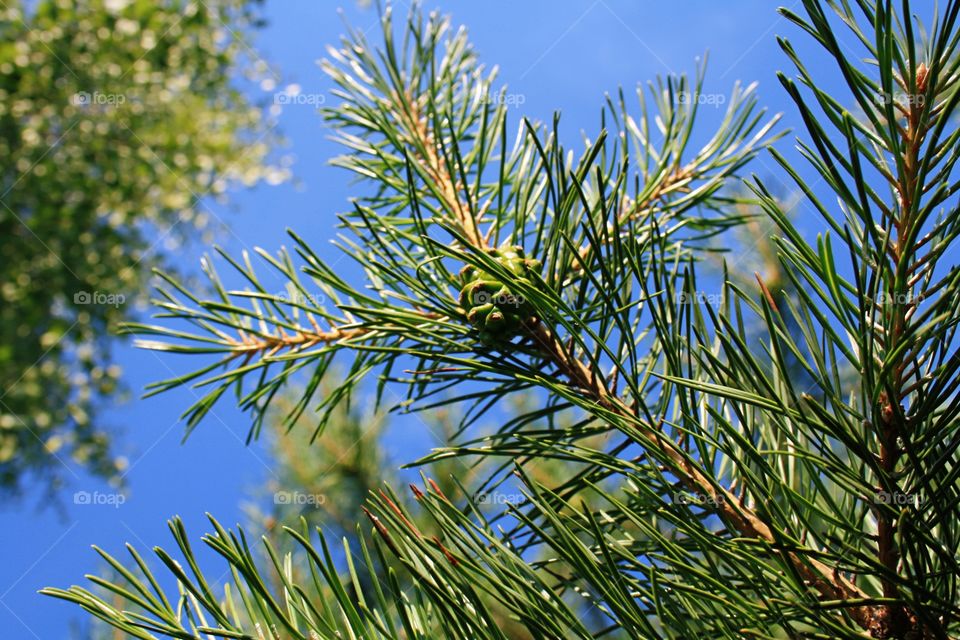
(495, 266)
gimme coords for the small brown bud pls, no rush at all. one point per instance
(922, 78)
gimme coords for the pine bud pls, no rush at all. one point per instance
(488, 302)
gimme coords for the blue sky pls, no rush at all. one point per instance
(557, 55)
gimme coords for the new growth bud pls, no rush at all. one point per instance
(488, 303)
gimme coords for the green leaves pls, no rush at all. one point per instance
(875, 295)
(438, 206)
(770, 460)
(247, 608)
(449, 596)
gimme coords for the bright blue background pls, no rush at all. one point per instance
(558, 55)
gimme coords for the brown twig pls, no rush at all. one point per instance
(419, 129)
(816, 574)
(896, 620)
(302, 338)
(822, 578)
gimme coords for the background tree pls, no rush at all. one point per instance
(728, 497)
(117, 119)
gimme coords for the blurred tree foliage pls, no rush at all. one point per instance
(117, 119)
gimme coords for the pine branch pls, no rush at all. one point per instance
(715, 473)
(818, 575)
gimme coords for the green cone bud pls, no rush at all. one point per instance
(489, 305)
